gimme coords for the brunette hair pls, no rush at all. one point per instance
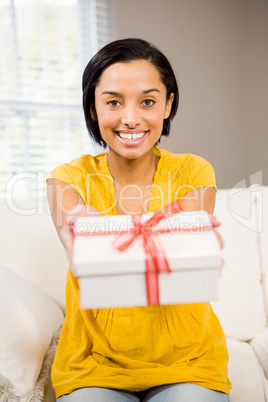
(124, 51)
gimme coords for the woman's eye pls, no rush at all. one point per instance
(113, 103)
(148, 102)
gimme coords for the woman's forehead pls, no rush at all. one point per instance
(139, 73)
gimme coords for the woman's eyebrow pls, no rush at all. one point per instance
(118, 94)
(151, 90)
(110, 93)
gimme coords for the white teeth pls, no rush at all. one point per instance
(131, 137)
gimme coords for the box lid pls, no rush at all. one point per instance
(190, 244)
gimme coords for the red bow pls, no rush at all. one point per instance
(156, 260)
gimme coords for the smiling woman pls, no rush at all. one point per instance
(131, 114)
(157, 352)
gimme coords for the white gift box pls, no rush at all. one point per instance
(112, 278)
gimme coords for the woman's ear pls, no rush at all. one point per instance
(168, 105)
(93, 112)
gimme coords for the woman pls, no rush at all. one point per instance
(153, 353)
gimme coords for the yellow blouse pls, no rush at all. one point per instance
(138, 348)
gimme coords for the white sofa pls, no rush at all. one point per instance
(31, 315)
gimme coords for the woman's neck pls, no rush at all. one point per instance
(133, 171)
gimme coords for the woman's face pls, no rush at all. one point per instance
(130, 106)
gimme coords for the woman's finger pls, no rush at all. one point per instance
(221, 243)
(214, 221)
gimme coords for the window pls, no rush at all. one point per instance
(44, 47)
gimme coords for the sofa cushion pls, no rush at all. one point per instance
(260, 347)
(31, 247)
(263, 239)
(28, 320)
(246, 375)
(240, 308)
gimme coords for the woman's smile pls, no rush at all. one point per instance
(131, 138)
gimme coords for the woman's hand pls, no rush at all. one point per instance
(67, 230)
(216, 224)
(66, 205)
(202, 198)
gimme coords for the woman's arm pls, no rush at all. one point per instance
(202, 198)
(65, 206)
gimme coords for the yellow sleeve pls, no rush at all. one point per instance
(203, 174)
(194, 172)
(72, 174)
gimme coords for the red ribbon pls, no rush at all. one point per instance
(156, 260)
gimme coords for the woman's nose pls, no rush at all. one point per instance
(131, 116)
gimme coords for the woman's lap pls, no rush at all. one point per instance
(96, 394)
(183, 392)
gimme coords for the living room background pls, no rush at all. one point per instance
(217, 48)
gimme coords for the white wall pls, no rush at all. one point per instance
(219, 50)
